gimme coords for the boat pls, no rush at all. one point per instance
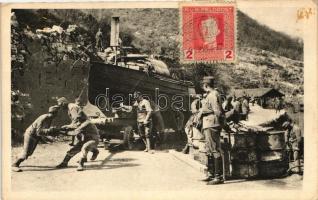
(117, 73)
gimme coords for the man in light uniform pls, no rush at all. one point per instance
(73, 110)
(212, 115)
(99, 40)
(144, 121)
(40, 127)
(193, 124)
(88, 139)
(148, 117)
(245, 108)
(293, 138)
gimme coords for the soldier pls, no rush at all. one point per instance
(144, 118)
(230, 113)
(293, 138)
(144, 121)
(227, 104)
(40, 127)
(99, 40)
(88, 139)
(212, 115)
(245, 108)
(193, 122)
(73, 111)
(237, 110)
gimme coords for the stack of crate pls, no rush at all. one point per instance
(248, 154)
(273, 159)
(244, 161)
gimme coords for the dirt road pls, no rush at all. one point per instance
(126, 170)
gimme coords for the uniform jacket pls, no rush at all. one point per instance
(143, 107)
(41, 126)
(73, 111)
(245, 107)
(211, 110)
(293, 135)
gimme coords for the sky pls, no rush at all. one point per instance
(282, 19)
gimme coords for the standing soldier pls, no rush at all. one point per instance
(212, 114)
(245, 108)
(99, 40)
(144, 121)
(40, 127)
(144, 118)
(88, 139)
(293, 139)
(193, 122)
(237, 110)
(73, 110)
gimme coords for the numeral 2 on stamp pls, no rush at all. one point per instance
(189, 54)
(228, 54)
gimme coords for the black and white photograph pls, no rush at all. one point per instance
(101, 102)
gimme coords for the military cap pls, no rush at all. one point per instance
(53, 109)
(208, 79)
(62, 100)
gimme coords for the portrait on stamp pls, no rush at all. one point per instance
(208, 33)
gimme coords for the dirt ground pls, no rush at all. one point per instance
(125, 170)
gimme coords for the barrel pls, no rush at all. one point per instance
(273, 158)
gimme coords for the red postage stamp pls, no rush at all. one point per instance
(208, 33)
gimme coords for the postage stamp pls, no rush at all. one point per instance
(208, 33)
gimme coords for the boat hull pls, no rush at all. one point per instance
(114, 81)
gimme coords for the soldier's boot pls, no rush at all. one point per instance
(145, 141)
(186, 149)
(210, 172)
(149, 146)
(95, 154)
(64, 163)
(80, 166)
(218, 179)
(16, 165)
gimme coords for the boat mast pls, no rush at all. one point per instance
(114, 35)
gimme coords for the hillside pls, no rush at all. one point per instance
(266, 58)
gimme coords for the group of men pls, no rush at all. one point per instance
(85, 133)
(210, 116)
